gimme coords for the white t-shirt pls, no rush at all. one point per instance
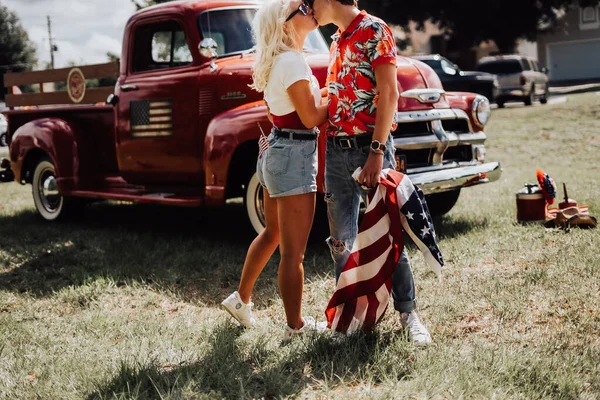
(288, 68)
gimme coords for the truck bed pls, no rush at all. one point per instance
(94, 130)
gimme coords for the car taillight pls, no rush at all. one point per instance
(523, 80)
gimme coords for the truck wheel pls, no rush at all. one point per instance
(544, 98)
(49, 203)
(442, 203)
(529, 99)
(3, 140)
(253, 200)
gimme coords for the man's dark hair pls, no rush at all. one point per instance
(344, 2)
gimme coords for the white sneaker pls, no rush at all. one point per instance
(416, 330)
(310, 325)
(239, 310)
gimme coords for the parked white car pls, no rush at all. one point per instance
(520, 78)
(3, 129)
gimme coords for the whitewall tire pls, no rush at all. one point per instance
(49, 203)
(253, 200)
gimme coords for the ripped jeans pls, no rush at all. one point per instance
(343, 195)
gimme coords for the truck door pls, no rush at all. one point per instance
(157, 131)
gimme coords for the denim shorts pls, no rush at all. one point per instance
(288, 167)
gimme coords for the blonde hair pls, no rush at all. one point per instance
(270, 39)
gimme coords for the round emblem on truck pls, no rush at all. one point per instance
(76, 85)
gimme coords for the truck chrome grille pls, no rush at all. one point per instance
(435, 137)
(406, 129)
(456, 125)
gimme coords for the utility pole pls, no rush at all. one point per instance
(53, 47)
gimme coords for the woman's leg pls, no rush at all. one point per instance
(261, 249)
(296, 215)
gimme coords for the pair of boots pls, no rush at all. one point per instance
(569, 218)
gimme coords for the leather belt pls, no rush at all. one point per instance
(351, 142)
(294, 135)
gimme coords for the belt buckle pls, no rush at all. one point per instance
(348, 143)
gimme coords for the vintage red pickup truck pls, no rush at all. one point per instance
(181, 125)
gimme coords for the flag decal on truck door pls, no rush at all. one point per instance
(151, 118)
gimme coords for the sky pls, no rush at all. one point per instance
(84, 30)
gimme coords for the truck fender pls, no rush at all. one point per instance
(53, 137)
(464, 101)
(228, 133)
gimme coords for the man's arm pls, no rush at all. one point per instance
(385, 75)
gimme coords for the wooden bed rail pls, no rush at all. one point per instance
(76, 93)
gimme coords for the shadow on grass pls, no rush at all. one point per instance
(196, 255)
(228, 370)
(447, 227)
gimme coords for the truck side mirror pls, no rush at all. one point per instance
(112, 100)
(545, 70)
(208, 48)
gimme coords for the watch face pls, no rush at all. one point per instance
(375, 145)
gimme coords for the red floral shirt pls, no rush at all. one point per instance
(365, 44)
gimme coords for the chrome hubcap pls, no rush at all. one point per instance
(49, 194)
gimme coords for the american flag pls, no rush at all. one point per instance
(263, 142)
(363, 289)
(151, 118)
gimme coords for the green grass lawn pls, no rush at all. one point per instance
(124, 304)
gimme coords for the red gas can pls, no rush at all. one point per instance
(531, 206)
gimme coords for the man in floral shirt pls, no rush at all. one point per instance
(363, 98)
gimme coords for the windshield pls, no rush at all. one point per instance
(501, 67)
(231, 28)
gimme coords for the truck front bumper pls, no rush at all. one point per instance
(455, 178)
(6, 174)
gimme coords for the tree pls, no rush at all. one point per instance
(470, 22)
(17, 53)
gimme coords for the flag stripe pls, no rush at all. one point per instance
(152, 126)
(160, 119)
(379, 211)
(152, 133)
(361, 288)
(159, 104)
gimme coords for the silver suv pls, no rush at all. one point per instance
(520, 78)
(3, 128)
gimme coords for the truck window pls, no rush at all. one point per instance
(231, 28)
(448, 68)
(525, 64)
(501, 67)
(159, 46)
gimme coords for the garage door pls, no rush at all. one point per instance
(579, 60)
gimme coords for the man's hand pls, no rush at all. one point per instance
(369, 176)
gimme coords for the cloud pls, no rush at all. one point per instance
(84, 30)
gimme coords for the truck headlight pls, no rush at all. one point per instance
(481, 110)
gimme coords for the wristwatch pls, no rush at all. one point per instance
(377, 147)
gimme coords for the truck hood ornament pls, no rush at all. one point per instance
(424, 96)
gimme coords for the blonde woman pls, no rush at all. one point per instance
(287, 170)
